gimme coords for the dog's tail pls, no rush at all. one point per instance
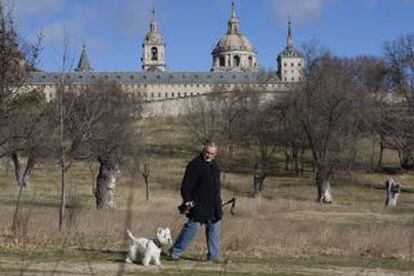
(129, 234)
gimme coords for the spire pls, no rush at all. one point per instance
(233, 10)
(289, 38)
(83, 65)
(154, 24)
(234, 21)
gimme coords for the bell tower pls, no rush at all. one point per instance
(290, 61)
(153, 48)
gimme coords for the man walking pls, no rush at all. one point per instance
(200, 190)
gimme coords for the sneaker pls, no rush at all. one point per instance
(171, 257)
(214, 261)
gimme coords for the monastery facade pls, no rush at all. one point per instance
(235, 65)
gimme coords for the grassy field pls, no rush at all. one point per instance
(285, 232)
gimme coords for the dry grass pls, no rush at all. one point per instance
(285, 223)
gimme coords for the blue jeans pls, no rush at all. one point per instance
(188, 233)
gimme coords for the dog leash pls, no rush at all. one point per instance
(174, 221)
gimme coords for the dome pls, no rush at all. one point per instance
(234, 42)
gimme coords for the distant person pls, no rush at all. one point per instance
(200, 191)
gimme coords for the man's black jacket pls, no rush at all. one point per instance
(201, 184)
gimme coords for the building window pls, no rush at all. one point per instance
(236, 61)
(284, 64)
(250, 61)
(292, 64)
(299, 64)
(222, 62)
(154, 53)
(159, 95)
(179, 94)
(172, 94)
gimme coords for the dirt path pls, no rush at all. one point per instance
(14, 266)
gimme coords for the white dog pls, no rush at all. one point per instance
(145, 250)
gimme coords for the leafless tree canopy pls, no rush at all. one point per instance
(101, 126)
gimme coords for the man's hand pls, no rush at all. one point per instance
(185, 207)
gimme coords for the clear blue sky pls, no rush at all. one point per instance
(113, 29)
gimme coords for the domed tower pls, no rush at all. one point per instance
(234, 52)
(290, 61)
(153, 48)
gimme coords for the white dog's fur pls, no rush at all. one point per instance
(145, 250)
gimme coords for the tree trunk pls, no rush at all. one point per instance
(287, 160)
(16, 210)
(407, 160)
(295, 160)
(106, 183)
(381, 151)
(372, 153)
(62, 160)
(323, 186)
(302, 160)
(22, 173)
(393, 192)
(258, 179)
(63, 190)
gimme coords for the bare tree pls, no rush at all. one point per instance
(327, 108)
(16, 58)
(400, 57)
(372, 77)
(217, 116)
(63, 110)
(21, 109)
(201, 118)
(101, 127)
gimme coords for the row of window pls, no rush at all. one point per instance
(168, 95)
(291, 71)
(292, 79)
(292, 64)
(181, 85)
(133, 77)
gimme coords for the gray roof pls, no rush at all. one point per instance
(49, 78)
(83, 64)
(291, 52)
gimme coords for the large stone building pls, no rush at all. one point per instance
(234, 65)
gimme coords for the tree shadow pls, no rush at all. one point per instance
(116, 256)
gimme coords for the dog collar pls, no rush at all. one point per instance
(157, 242)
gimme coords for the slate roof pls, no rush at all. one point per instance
(83, 64)
(50, 78)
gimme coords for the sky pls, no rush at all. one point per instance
(113, 30)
